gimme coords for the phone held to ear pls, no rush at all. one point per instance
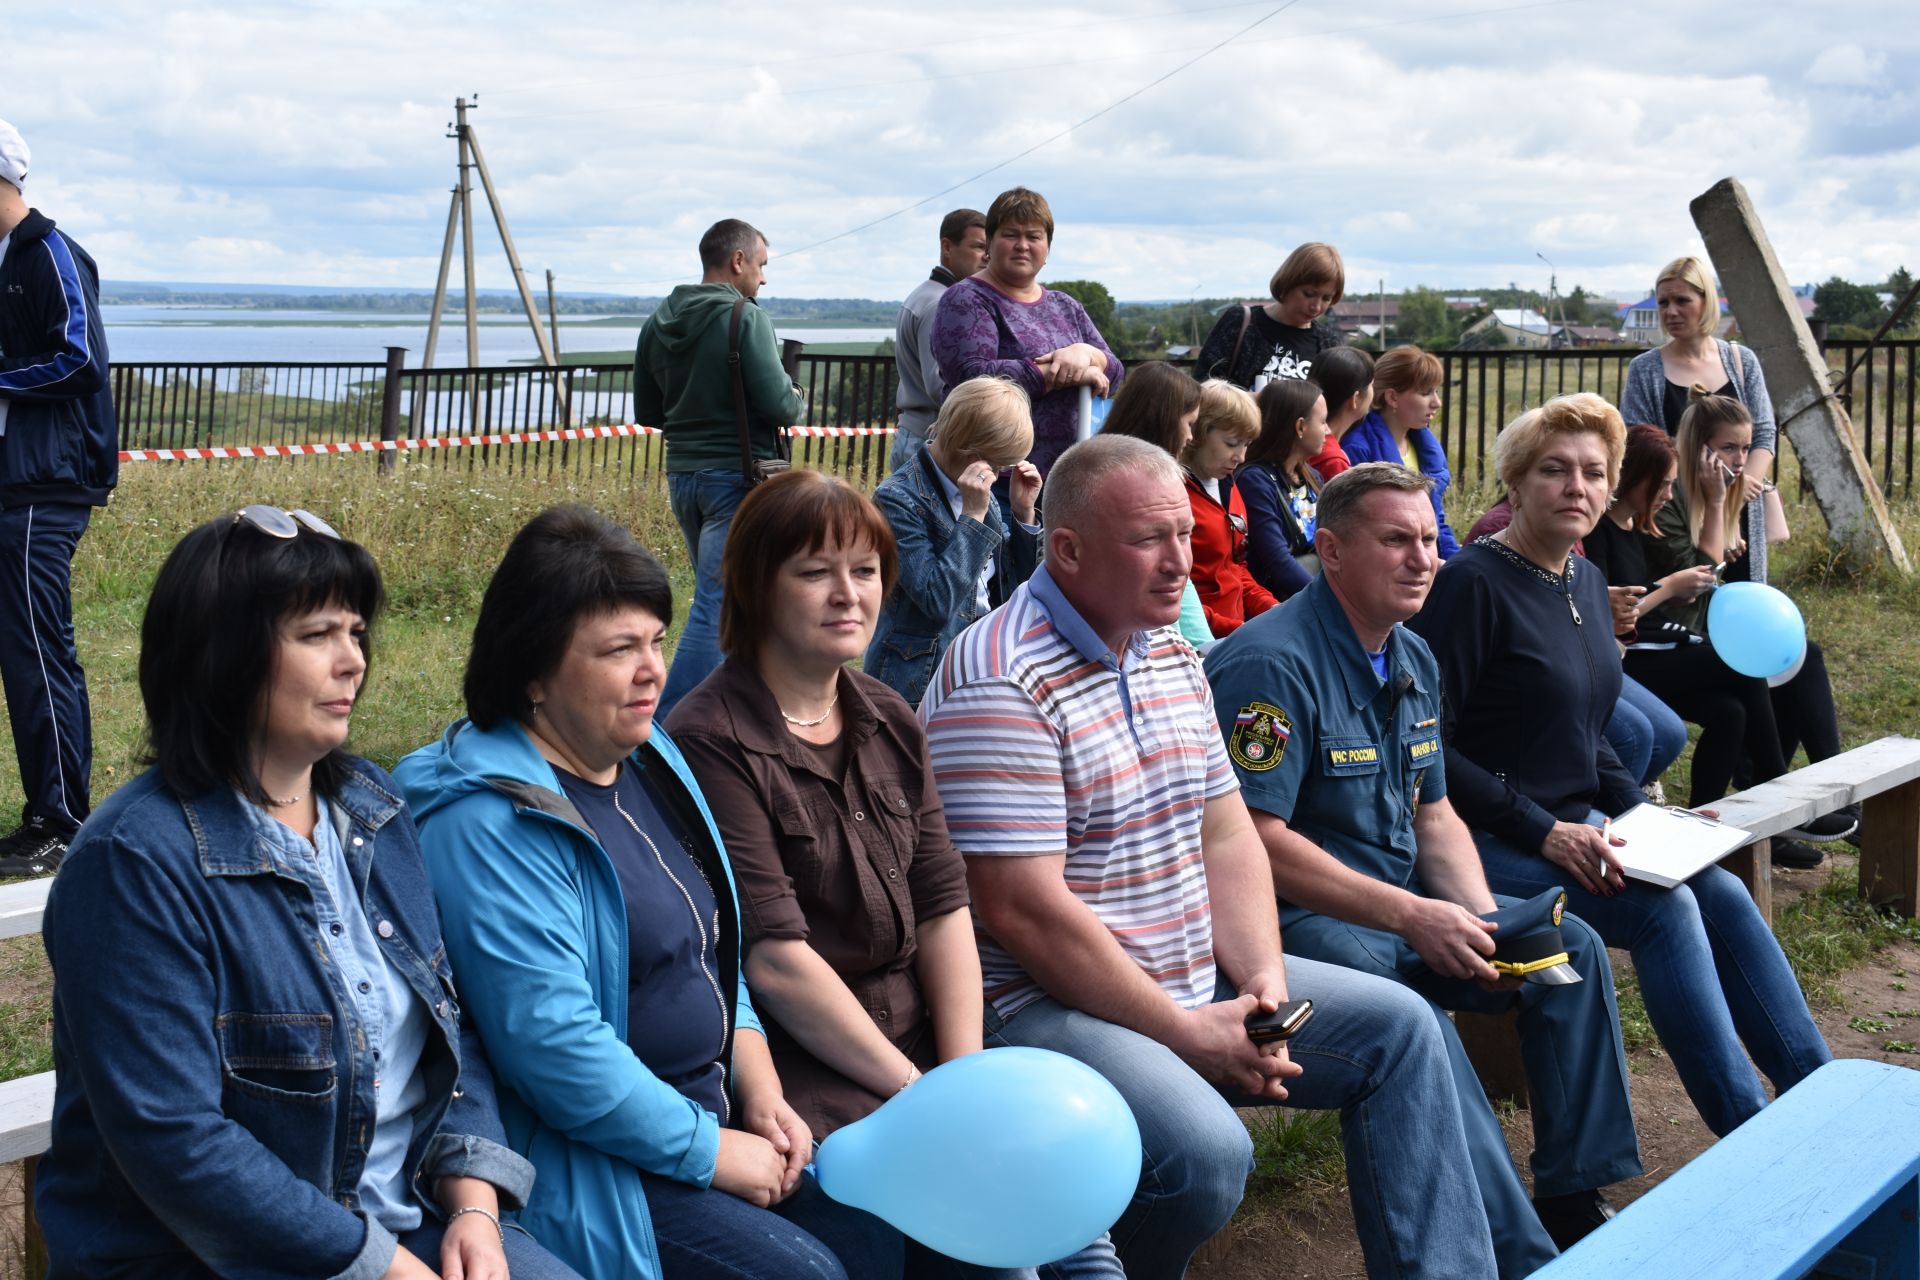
(1265, 1028)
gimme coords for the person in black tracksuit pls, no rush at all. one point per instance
(59, 458)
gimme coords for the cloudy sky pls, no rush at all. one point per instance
(1444, 142)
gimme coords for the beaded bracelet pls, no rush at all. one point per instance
(488, 1214)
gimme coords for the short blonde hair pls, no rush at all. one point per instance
(986, 418)
(1518, 448)
(1693, 273)
(1312, 263)
(1225, 407)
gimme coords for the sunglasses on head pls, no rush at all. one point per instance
(277, 523)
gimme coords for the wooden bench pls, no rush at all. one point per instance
(1823, 1183)
(26, 1130)
(1882, 777)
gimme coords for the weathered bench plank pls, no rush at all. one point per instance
(1780, 1192)
(1848, 778)
(22, 905)
(26, 1116)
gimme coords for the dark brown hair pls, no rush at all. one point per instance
(1153, 398)
(795, 513)
(1649, 454)
(1022, 206)
(955, 225)
(1284, 402)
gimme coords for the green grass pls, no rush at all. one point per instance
(1296, 1155)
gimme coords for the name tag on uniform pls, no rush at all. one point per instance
(1421, 750)
(1352, 755)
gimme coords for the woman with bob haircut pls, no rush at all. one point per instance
(1524, 637)
(1254, 344)
(1001, 323)
(1228, 422)
(859, 945)
(960, 553)
(1281, 488)
(1406, 395)
(590, 904)
(1701, 526)
(248, 964)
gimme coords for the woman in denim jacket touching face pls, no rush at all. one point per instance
(260, 1060)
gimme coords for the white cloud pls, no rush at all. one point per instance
(1848, 65)
(1444, 143)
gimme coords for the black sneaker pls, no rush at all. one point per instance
(1796, 855)
(32, 849)
(1837, 825)
(1571, 1218)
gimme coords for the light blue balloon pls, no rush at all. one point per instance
(1005, 1158)
(1756, 629)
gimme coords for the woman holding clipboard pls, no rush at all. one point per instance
(1523, 634)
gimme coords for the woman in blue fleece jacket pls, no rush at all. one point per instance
(1406, 395)
(584, 888)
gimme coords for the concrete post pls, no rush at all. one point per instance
(1772, 327)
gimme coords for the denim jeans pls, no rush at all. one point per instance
(705, 1232)
(1644, 732)
(1570, 1044)
(703, 502)
(1371, 1050)
(1711, 973)
(525, 1258)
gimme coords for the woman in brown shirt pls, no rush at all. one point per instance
(860, 954)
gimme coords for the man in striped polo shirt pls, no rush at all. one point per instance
(1122, 895)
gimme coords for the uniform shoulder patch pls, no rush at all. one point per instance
(1259, 738)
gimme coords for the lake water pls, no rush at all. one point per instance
(139, 334)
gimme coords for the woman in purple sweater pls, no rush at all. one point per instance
(1001, 323)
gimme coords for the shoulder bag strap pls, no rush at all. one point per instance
(739, 387)
(1246, 323)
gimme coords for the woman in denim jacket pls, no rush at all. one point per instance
(261, 1068)
(960, 554)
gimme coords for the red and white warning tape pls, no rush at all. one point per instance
(440, 442)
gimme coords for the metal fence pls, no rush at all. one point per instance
(184, 405)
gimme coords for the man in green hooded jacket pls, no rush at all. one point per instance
(683, 385)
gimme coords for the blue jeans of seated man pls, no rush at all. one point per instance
(1371, 1050)
(1711, 974)
(1644, 732)
(708, 1233)
(1576, 1069)
(703, 502)
(525, 1258)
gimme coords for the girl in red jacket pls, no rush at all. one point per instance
(1229, 421)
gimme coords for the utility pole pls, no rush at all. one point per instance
(470, 161)
(1554, 300)
(553, 317)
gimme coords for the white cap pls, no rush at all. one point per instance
(14, 156)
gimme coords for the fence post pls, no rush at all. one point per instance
(390, 405)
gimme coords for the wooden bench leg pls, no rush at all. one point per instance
(1890, 849)
(1492, 1042)
(1754, 865)
(33, 1244)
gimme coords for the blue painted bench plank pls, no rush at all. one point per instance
(1777, 1194)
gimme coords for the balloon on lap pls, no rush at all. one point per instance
(1004, 1158)
(1756, 629)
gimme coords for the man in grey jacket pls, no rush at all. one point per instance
(963, 251)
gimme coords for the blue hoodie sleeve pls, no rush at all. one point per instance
(69, 360)
(518, 932)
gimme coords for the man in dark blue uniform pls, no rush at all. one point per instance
(1330, 710)
(59, 458)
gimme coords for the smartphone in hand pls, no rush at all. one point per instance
(1265, 1028)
